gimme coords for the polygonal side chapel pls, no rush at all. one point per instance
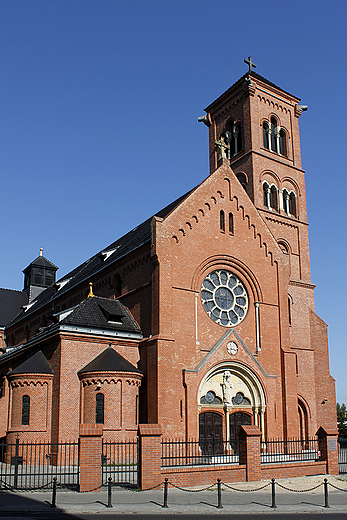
(201, 319)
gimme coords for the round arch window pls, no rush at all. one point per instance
(224, 298)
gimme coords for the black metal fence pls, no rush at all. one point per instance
(120, 462)
(342, 446)
(33, 465)
(182, 452)
(290, 450)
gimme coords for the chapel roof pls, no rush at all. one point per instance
(129, 242)
(36, 364)
(109, 361)
(101, 313)
(11, 303)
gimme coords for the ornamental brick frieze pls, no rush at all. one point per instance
(114, 380)
(275, 106)
(28, 382)
(278, 221)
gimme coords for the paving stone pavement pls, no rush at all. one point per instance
(185, 502)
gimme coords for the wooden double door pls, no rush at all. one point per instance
(211, 427)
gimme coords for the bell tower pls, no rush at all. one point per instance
(254, 125)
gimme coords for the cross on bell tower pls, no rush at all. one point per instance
(250, 64)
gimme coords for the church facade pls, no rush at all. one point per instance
(201, 319)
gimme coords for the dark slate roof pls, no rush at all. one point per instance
(10, 304)
(41, 261)
(255, 76)
(101, 313)
(109, 361)
(36, 364)
(131, 241)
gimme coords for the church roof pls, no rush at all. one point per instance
(11, 303)
(131, 241)
(101, 313)
(109, 361)
(36, 364)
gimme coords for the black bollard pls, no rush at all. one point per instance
(326, 497)
(109, 492)
(166, 485)
(273, 493)
(219, 491)
(54, 492)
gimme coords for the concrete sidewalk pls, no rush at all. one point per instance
(185, 502)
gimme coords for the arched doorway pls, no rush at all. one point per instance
(210, 432)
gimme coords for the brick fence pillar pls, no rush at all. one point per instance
(250, 451)
(90, 456)
(150, 455)
(329, 448)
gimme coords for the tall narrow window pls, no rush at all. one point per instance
(291, 204)
(273, 197)
(25, 410)
(266, 135)
(266, 193)
(289, 311)
(99, 409)
(274, 135)
(231, 223)
(222, 220)
(283, 144)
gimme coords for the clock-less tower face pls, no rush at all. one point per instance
(224, 298)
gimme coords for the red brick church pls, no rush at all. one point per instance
(200, 319)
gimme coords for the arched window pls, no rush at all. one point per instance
(274, 137)
(274, 134)
(266, 135)
(25, 410)
(289, 203)
(292, 204)
(266, 193)
(236, 144)
(222, 220)
(242, 179)
(99, 408)
(273, 197)
(283, 143)
(231, 223)
(270, 196)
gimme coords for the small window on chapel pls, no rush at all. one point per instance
(99, 408)
(25, 410)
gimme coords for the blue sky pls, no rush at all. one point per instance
(98, 122)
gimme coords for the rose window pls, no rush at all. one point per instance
(224, 298)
